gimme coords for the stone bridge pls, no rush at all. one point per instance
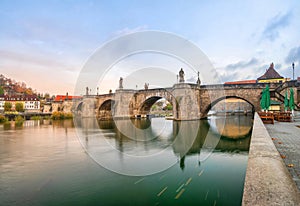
(189, 101)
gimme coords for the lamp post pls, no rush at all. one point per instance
(293, 65)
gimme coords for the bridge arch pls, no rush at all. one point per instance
(145, 106)
(213, 103)
(79, 107)
(105, 110)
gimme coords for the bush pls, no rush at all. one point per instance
(169, 107)
(56, 115)
(61, 115)
(47, 117)
(19, 119)
(3, 119)
(68, 115)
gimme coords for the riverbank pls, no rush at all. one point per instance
(268, 181)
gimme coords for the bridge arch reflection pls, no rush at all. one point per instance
(234, 127)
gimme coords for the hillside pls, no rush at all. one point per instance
(10, 86)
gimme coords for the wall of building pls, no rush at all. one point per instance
(47, 108)
(281, 80)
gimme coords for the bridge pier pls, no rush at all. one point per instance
(186, 104)
(88, 107)
(123, 106)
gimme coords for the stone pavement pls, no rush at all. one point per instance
(286, 138)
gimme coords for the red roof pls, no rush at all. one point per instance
(63, 97)
(242, 82)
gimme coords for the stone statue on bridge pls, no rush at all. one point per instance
(181, 76)
(198, 80)
(121, 83)
(87, 91)
(146, 86)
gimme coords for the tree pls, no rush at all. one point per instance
(19, 107)
(46, 95)
(154, 107)
(29, 91)
(169, 107)
(7, 106)
(1, 91)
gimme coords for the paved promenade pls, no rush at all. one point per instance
(286, 138)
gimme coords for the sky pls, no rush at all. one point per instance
(47, 43)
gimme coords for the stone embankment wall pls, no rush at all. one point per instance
(268, 181)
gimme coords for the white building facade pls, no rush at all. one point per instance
(31, 103)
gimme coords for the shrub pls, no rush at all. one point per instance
(19, 119)
(68, 115)
(3, 119)
(61, 115)
(47, 117)
(56, 115)
(169, 107)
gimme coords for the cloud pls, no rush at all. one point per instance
(242, 70)
(192, 79)
(293, 56)
(271, 31)
(242, 64)
(127, 30)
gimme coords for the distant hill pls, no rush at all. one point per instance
(10, 86)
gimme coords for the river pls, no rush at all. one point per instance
(126, 162)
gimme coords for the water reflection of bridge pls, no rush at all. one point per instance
(151, 135)
(235, 127)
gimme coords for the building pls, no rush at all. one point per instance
(62, 103)
(31, 103)
(2, 103)
(271, 76)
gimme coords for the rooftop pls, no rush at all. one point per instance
(271, 73)
(68, 97)
(242, 82)
(19, 97)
